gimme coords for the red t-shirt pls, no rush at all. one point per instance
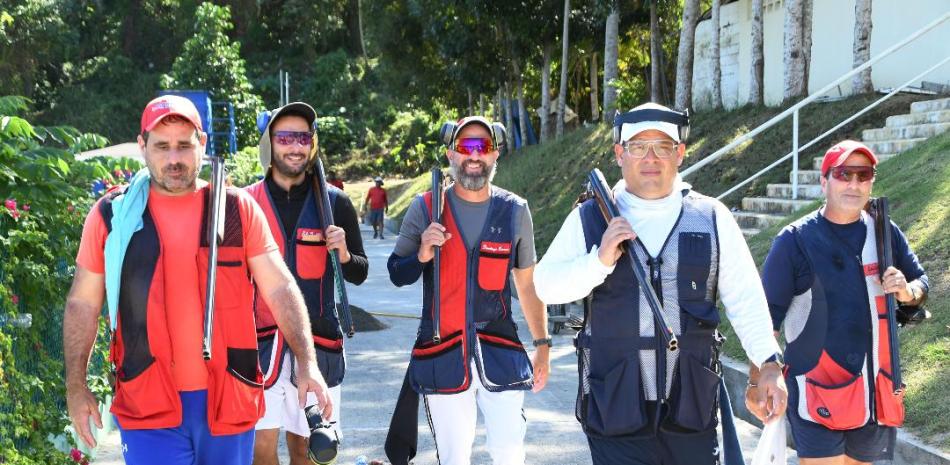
(377, 197)
(178, 221)
(336, 182)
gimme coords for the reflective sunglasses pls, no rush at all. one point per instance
(663, 149)
(303, 138)
(469, 145)
(847, 173)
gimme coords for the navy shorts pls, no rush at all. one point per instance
(668, 446)
(191, 443)
(376, 216)
(869, 443)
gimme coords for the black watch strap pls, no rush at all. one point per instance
(543, 341)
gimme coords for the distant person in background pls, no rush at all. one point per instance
(378, 205)
(334, 181)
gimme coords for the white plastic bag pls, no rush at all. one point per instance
(772, 444)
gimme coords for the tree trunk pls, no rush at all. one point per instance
(793, 59)
(655, 47)
(714, 51)
(509, 119)
(522, 113)
(594, 104)
(353, 17)
(806, 43)
(861, 82)
(499, 109)
(562, 93)
(684, 59)
(471, 102)
(482, 110)
(546, 93)
(756, 96)
(611, 41)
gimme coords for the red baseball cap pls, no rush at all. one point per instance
(836, 155)
(167, 105)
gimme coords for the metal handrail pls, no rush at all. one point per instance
(826, 134)
(811, 98)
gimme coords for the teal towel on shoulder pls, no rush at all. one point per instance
(127, 210)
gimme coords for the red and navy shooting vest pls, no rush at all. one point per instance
(621, 362)
(475, 315)
(141, 354)
(305, 252)
(840, 390)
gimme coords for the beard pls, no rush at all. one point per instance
(174, 178)
(286, 169)
(472, 181)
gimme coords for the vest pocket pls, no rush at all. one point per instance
(236, 395)
(695, 403)
(311, 259)
(615, 404)
(839, 406)
(330, 359)
(147, 400)
(504, 363)
(493, 258)
(890, 407)
(695, 254)
(439, 368)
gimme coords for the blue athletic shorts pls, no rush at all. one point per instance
(869, 443)
(375, 216)
(188, 444)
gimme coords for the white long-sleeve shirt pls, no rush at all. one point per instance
(569, 272)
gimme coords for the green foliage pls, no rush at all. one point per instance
(337, 139)
(244, 167)
(210, 61)
(45, 193)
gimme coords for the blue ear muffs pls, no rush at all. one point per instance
(263, 118)
(680, 119)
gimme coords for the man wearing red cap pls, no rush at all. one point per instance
(821, 280)
(477, 362)
(144, 252)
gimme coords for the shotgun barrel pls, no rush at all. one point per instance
(326, 214)
(437, 257)
(882, 224)
(214, 235)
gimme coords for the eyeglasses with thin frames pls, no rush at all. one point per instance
(663, 149)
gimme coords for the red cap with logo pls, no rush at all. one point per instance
(836, 155)
(168, 105)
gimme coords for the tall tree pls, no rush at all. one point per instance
(522, 111)
(353, 17)
(684, 59)
(562, 93)
(758, 61)
(656, 48)
(806, 41)
(714, 52)
(509, 118)
(594, 105)
(793, 60)
(861, 82)
(611, 52)
(546, 92)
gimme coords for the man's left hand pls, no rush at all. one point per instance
(542, 367)
(336, 240)
(770, 397)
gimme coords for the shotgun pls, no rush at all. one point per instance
(326, 214)
(437, 258)
(605, 200)
(880, 211)
(214, 235)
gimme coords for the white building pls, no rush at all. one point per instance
(831, 53)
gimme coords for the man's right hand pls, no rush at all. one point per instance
(618, 231)
(434, 236)
(81, 404)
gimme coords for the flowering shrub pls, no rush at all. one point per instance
(45, 194)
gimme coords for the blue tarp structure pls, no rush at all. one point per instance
(222, 133)
(516, 130)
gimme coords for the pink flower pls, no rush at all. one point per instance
(10, 204)
(70, 208)
(15, 299)
(76, 455)
(25, 207)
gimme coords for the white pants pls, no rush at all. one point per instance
(282, 408)
(453, 416)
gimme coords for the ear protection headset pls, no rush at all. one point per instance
(680, 119)
(450, 130)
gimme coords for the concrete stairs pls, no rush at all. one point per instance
(901, 132)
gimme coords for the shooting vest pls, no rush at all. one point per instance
(475, 301)
(145, 393)
(840, 391)
(622, 363)
(305, 253)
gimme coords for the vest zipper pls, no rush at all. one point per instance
(660, 350)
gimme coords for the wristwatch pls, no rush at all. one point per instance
(543, 341)
(777, 359)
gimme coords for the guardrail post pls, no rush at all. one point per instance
(795, 156)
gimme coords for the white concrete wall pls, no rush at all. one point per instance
(832, 41)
